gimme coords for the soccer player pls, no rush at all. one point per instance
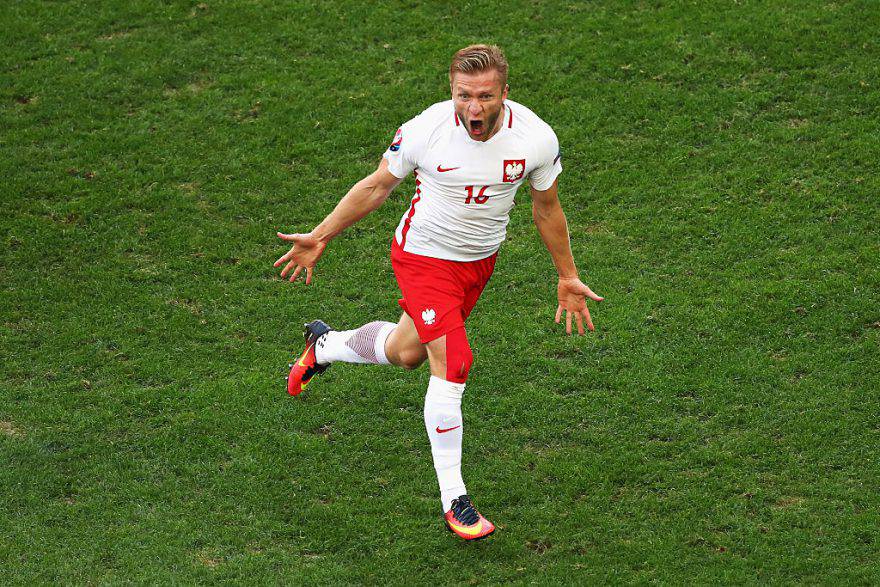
(469, 156)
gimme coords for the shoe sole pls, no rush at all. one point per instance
(451, 531)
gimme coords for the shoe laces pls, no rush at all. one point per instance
(464, 511)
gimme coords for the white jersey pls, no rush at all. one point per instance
(465, 188)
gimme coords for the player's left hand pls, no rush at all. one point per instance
(572, 294)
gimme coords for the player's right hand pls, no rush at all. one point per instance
(304, 254)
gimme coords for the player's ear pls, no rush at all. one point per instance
(504, 94)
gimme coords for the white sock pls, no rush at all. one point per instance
(361, 345)
(444, 425)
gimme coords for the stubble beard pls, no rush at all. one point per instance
(489, 123)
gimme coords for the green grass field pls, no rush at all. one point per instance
(721, 426)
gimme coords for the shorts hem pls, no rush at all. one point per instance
(434, 335)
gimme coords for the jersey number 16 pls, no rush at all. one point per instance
(480, 198)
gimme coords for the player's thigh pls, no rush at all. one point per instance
(404, 347)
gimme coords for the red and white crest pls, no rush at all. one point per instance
(513, 169)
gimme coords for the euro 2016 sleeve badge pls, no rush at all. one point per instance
(395, 144)
(513, 169)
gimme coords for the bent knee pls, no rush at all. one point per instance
(411, 359)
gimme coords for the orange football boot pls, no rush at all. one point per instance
(306, 367)
(465, 521)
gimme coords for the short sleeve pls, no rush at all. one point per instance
(402, 153)
(549, 165)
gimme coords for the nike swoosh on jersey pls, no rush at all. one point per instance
(442, 430)
(441, 170)
(472, 531)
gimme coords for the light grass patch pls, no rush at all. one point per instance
(7, 428)
(789, 501)
(120, 34)
(209, 559)
(194, 307)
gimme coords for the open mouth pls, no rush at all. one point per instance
(476, 127)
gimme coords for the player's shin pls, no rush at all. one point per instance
(443, 422)
(361, 345)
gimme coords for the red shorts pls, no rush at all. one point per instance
(438, 294)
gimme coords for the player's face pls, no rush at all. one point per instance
(479, 102)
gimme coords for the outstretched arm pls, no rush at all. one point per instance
(364, 197)
(553, 227)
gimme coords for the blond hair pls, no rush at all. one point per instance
(479, 58)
